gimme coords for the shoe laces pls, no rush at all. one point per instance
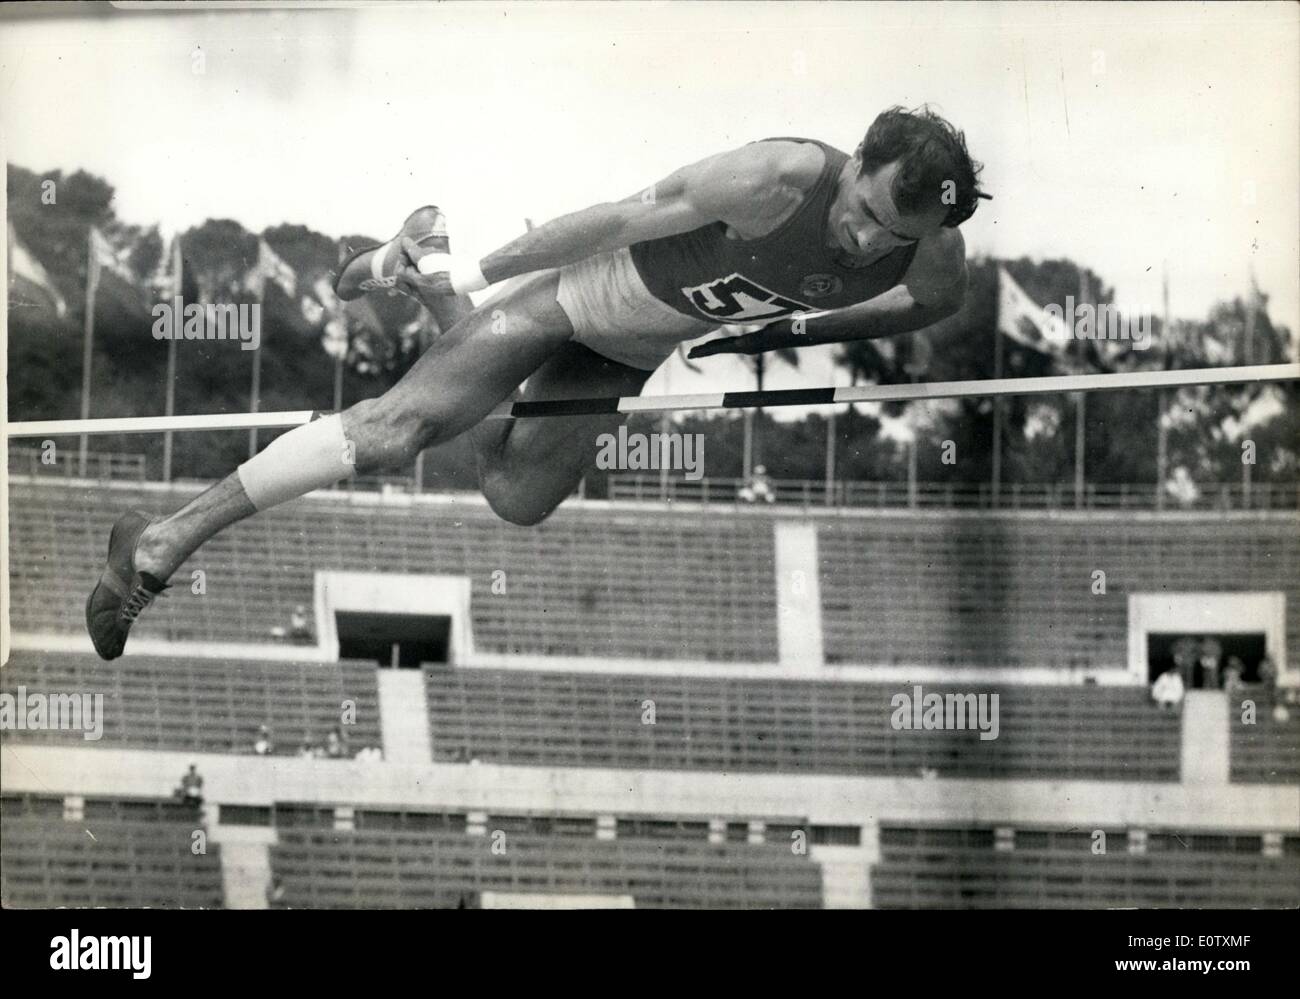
(140, 598)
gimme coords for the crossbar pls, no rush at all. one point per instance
(913, 392)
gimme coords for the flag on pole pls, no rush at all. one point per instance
(165, 281)
(269, 267)
(25, 270)
(1025, 321)
(168, 285)
(103, 257)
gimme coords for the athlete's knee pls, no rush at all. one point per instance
(386, 434)
(513, 504)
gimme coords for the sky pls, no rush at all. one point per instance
(1129, 137)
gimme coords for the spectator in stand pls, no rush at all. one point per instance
(262, 745)
(1168, 689)
(1268, 672)
(1210, 658)
(336, 744)
(191, 787)
(308, 748)
(275, 891)
(759, 488)
(1283, 696)
(300, 629)
(1184, 652)
(1234, 674)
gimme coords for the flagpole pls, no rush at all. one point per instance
(1080, 433)
(1162, 403)
(1251, 304)
(830, 458)
(255, 392)
(88, 343)
(338, 380)
(997, 417)
(171, 362)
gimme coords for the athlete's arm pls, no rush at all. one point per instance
(932, 289)
(740, 187)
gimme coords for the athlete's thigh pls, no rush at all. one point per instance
(553, 453)
(483, 358)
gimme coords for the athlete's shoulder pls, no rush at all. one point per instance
(937, 272)
(944, 250)
(760, 177)
(790, 162)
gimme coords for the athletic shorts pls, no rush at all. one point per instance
(615, 315)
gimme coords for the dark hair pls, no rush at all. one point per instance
(930, 153)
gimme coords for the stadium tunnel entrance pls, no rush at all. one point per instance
(1204, 659)
(400, 620)
(400, 641)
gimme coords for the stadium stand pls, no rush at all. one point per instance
(611, 584)
(202, 705)
(544, 718)
(1267, 749)
(117, 853)
(971, 589)
(939, 589)
(26, 460)
(949, 867)
(432, 869)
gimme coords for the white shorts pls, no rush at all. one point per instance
(614, 314)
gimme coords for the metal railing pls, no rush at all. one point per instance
(32, 460)
(805, 493)
(810, 493)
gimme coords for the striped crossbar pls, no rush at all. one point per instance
(981, 388)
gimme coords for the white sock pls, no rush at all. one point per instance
(309, 457)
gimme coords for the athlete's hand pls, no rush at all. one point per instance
(411, 279)
(770, 337)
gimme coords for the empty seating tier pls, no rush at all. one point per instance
(320, 869)
(970, 590)
(586, 582)
(957, 868)
(543, 718)
(203, 705)
(1265, 746)
(117, 854)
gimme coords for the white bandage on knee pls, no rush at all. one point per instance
(309, 457)
(466, 276)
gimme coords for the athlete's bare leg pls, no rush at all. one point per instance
(468, 371)
(528, 467)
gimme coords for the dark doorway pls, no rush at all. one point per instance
(402, 640)
(1163, 649)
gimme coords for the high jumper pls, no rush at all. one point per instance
(817, 245)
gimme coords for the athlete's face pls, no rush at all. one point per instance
(865, 222)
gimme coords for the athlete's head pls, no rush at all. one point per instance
(910, 177)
